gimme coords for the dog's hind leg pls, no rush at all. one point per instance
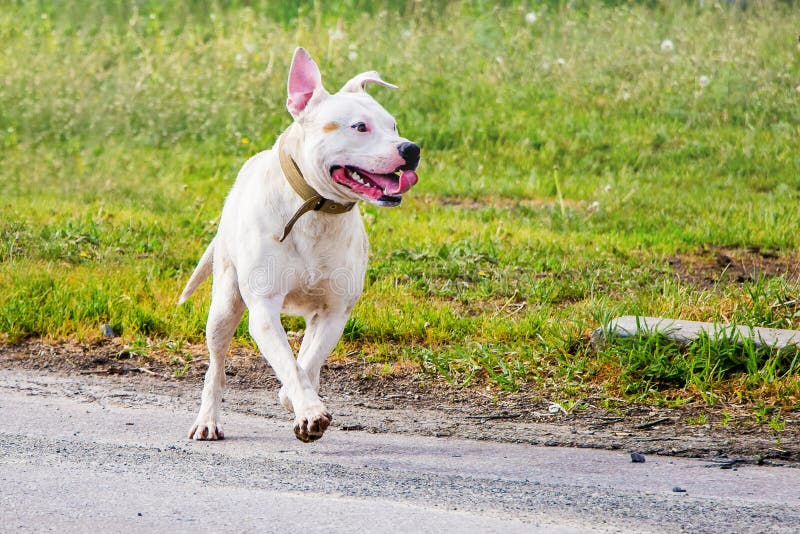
(224, 315)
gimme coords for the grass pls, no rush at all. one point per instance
(564, 163)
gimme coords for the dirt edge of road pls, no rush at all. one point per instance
(404, 401)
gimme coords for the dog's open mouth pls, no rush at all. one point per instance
(385, 188)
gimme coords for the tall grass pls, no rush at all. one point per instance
(564, 162)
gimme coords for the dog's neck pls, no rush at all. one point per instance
(312, 200)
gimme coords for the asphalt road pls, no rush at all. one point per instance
(82, 454)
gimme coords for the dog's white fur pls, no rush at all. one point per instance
(318, 271)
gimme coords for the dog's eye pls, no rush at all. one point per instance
(395, 129)
(359, 127)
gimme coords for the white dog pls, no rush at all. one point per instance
(290, 242)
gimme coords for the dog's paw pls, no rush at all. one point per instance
(310, 426)
(206, 430)
(286, 402)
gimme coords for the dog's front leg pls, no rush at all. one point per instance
(311, 418)
(323, 331)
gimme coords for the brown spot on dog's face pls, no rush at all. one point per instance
(331, 126)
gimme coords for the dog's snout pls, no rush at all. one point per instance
(410, 153)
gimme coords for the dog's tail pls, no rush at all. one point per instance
(201, 272)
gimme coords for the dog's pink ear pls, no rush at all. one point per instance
(304, 79)
(357, 84)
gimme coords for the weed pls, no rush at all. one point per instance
(699, 419)
(776, 423)
(727, 419)
(762, 412)
(183, 362)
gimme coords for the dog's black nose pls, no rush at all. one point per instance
(410, 153)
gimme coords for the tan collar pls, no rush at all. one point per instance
(313, 201)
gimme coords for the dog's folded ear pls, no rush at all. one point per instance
(358, 83)
(304, 82)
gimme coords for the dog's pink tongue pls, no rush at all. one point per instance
(406, 182)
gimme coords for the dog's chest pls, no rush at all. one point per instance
(326, 273)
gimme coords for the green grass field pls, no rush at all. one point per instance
(570, 167)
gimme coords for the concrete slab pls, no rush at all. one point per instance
(684, 332)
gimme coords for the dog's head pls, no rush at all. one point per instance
(350, 148)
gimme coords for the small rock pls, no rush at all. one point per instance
(637, 458)
(678, 489)
(107, 330)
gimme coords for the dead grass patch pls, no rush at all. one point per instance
(709, 266)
